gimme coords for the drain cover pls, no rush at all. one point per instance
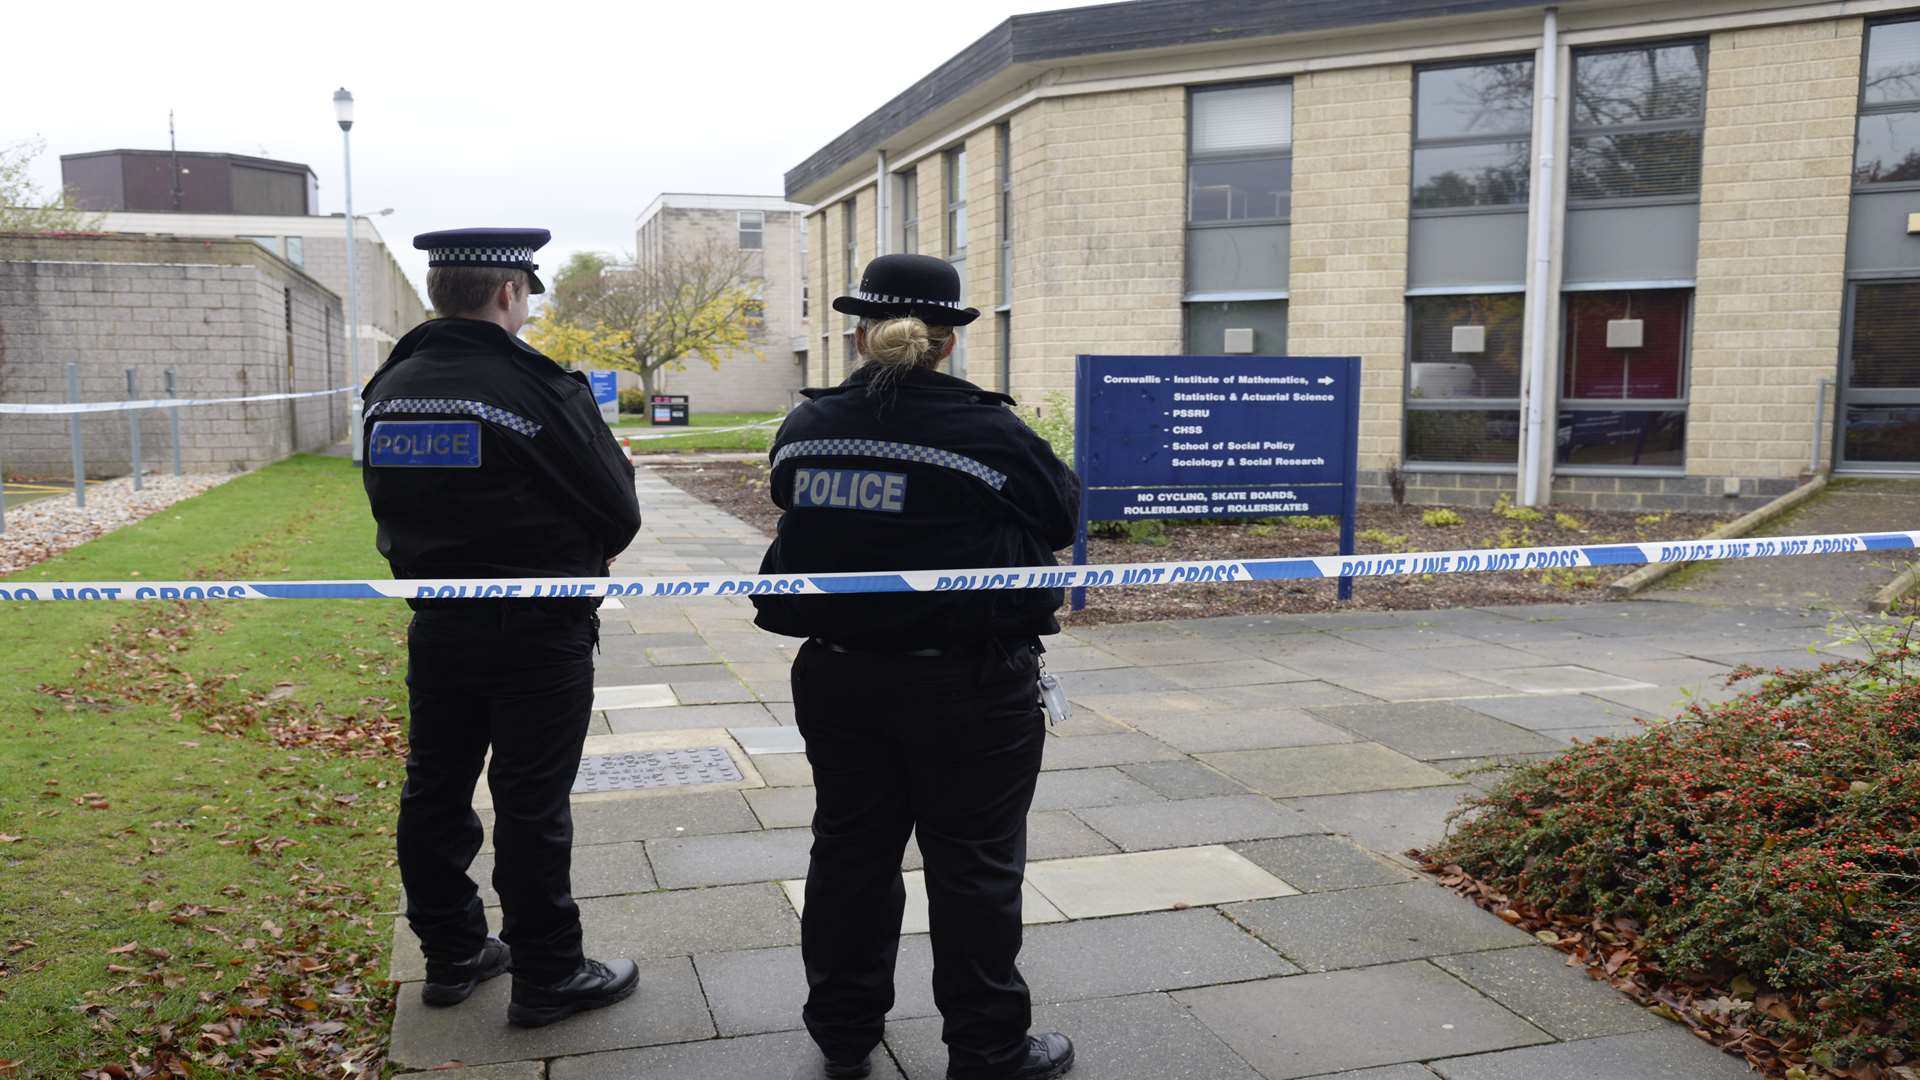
(656, 768)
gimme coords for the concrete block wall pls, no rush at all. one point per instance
(1775, 192)
(820, 313)
(1099, 189)
(981, 289)
(1352, 163)
(1645, 494)
(217, 313)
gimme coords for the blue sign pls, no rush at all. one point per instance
(425, 444)
(606, 393)
(1182, 437)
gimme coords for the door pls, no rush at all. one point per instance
(1880, 379)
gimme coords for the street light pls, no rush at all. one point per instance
(343, 112)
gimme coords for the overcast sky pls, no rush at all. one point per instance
(566, 115)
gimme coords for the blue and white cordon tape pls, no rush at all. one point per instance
(1019, 577)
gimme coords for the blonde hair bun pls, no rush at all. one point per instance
(899, 342)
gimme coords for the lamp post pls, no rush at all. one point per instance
(343, 112)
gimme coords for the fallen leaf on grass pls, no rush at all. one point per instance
(6, 839)
(20, 945)
(100, 804)
(119, 950)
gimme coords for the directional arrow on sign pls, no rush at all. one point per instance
(1326, 380)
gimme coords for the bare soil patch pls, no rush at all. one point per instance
(740, 488)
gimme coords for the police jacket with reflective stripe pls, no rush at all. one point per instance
(552, 494)
(919, 472)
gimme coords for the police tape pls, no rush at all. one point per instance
(692, 431)
(988, 578)
(82, 407)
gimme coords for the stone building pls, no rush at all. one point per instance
(1726, 237)
(228, 318)
(771, 233)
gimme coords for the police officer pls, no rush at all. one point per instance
(485, 459)
(920, 712)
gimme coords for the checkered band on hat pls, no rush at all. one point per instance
(442, 406)
(506, 256)
(893, 451)
(883, 298)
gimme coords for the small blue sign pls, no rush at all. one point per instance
(606, 393)
(425, 444)
(1183, 437)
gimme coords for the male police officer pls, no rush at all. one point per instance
(485, 459)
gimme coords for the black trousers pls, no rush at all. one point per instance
(948, 746)
(516, 677)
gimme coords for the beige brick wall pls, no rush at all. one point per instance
(983, 256)
(819, 284)
(1775, 186)
(931, 180)
(1352, 158)
(1099, 187)
(764, 375)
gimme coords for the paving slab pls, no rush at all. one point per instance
(1398, 638)
(651, 815)
(674, 717)
(1051, 834)
(1385, 1072)
(916, 917)
(1300, 695)
(677, 655)
(668, 1008)
(782, 807)
(1557, 679)
(1388, 822)
(1245, 671)
(1361, 927)
(1549, 712)
(1221, 819)
(1434, 730)
(1325, 770)
(1536, 983)
(769, 739)
(1129, 954)
(1248, 729)
(1112, 681)
(598, 870)
(1183, 779)
(1669, 1053)
(1307, 1025)
(642, 696)
(1667, 702)
(1481, 656)
(515, 1070)
(1322, 863)
(1173, 647)
(1680, 671)
(1069, 789)
(785, 770)
(1093, 751)
(1063, 657)
(1407, 685)
(1096, 885)
(760, 990)
(716, 692)
(730, 859)
(682, 922)
(1145, 1037)
(761, 1057)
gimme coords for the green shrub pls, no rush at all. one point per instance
(1441, 519)
(1569, 522)
(1653, 519)
(633, 401)
(1769, 848)
(1053, 421)
(1382, 539)
(1325, 523)
(1505, 508)
(1152, 533)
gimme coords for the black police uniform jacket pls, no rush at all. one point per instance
(546, 492)
(922, 472)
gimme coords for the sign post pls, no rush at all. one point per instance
(606, 394)
(1167, 438)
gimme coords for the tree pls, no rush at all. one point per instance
(578, 286)
(576, 346)
(23, 208)
(693, 302)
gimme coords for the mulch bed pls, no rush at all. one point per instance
(740, 488)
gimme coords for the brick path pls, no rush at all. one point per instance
(1216, 889)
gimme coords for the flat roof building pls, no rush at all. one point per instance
(1621, 255)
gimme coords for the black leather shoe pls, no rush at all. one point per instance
(1048, 1056)
(594, 986)
(833, 1070)
(451, 984)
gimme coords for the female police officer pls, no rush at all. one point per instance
(920, 712)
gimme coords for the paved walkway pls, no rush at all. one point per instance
(1838, 583)
(1217, 891)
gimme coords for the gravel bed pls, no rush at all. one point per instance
(740, 488)
(46, 527)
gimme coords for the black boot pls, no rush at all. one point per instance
(594, 986)
(451, 984)
(1048, 1056)
(834, 1070)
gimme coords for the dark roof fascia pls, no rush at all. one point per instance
(1052, 36)
(200, 155)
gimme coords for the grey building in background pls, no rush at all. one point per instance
(203, 184)
(772, 233)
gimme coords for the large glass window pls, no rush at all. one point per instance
(1888, 150)
(1463, 379)
(1240, 163)
(1638, 115)
(1882, 394)
(910, 212)
(1623, 385)
(956, 173)
(1472, 134)
(1004, 146)
(1237, 327)
(753, 229)
(850, 229)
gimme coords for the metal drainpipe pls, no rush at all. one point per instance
(882, 202)
(1536, 445)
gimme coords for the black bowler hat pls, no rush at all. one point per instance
(509, 248)
(895, 286)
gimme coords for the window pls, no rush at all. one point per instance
(753, 229)
(1003, 329)
(1262, 326)
(910, 212)
(1463, 379)
(849, 227)
(1623, 379)
(297, 250)
(271, 243)
(1882, 392)
(1888, 149)
(806, 299)
(1240, 158)
(1638, 116)
(956, 171)
(1472, 135)
(1004, 146)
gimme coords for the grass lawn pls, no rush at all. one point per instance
(757, 439)
(196, 800)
